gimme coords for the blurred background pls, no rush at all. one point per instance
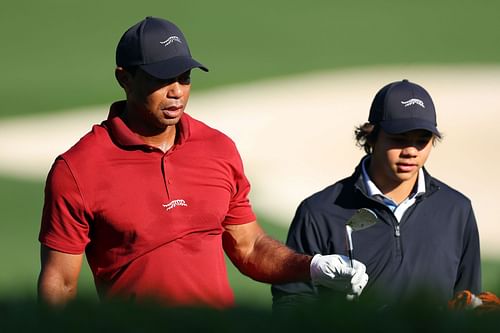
(57, 63)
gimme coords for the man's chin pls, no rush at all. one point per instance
(170, 122)
(405, 176)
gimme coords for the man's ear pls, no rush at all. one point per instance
(124, 78)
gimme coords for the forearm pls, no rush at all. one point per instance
(272, 262)
(54, 290)
(267, 260)
(58, 280)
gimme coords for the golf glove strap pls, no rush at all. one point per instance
(335, 272)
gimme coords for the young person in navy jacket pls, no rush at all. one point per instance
(426, 238)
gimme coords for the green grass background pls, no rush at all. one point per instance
(60, 54)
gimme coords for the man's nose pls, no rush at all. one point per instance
(410, 150)
(174, 90)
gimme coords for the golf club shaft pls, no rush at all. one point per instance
(350, 258)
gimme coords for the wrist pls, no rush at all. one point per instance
(315, 267)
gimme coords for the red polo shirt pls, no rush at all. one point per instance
(150, 222)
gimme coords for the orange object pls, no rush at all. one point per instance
(466, 300)
(490, 302)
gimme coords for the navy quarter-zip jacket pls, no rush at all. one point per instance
(435, 247)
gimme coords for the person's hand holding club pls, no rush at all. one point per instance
(338, 272)
(362, 219)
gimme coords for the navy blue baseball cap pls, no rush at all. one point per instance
(158, 47)
(403, 106)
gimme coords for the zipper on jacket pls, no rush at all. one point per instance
(405, 217)
(396, 230)
(397, 234)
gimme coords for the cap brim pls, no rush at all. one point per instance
(398, 126)
(172, 67)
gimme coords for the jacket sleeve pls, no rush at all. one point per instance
(302, 237)
(469, 270)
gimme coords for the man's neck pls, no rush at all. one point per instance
(163, 141)
(161, 138)
(398, 192)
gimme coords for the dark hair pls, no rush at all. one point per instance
(367, 133)
(131, 69)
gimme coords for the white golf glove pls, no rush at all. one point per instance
(335, 272)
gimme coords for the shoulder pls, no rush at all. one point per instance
(93, 148)
(210, 138)
(448, 194)
(201, 129)
(328, 196)
(92, 140)
(326, 200)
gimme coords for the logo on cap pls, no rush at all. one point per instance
(412, 102)
(170, 40)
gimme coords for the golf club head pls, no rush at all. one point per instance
(362, 219)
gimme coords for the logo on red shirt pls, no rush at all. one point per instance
(175, 203)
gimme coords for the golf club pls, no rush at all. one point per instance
(362, 219)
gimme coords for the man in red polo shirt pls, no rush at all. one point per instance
(154, 197)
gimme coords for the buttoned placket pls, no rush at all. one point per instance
(167, 178)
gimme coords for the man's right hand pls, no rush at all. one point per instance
(335, 272)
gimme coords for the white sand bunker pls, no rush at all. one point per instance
(295, 135)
